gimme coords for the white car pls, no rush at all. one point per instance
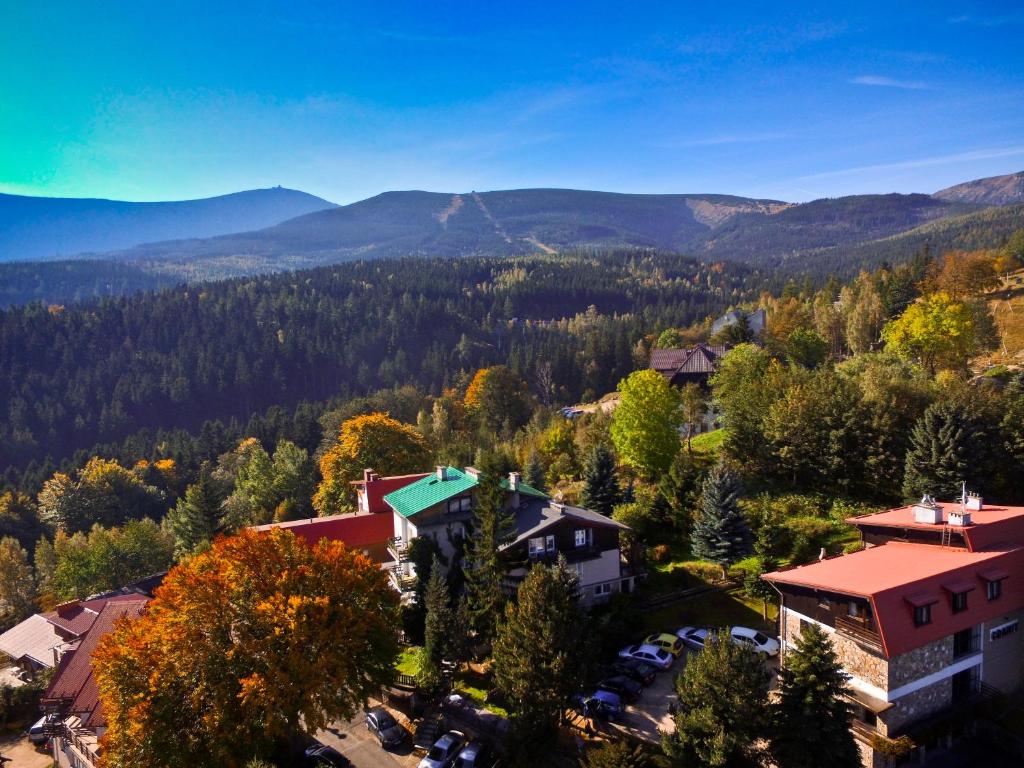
(649, 653)
(758, 642)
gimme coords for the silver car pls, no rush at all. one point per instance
(649, 653)
(444, 751)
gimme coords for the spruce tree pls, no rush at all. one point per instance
(948, 446)
(196, 517)
(723, 704)
(721, 533)
(811, 718)
(485, 570)
(438, 625)
(601, 490)
(538, 655)
(533, 472)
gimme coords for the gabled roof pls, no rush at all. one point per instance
(33, 639)
(431, 490)
(534, 518)
(700, 358)
(77, 617)
(896, 576)
(73, 683)
(377, 488)
(353, 530)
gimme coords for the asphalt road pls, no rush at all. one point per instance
(362, 748)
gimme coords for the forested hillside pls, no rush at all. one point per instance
(77, 376)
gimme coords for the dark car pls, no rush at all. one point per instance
(603, 705)
(322, 756)
(383, 725)
(628, 688)
(638, 670)
(476, 754)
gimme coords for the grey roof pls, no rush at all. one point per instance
(536, 516)
(700, 358)
(34, 638)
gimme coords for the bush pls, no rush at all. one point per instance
(810, 534)
(740, 571)
(659, 553)
(704, 571)
(853, 546)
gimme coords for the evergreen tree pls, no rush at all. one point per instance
(948, 446)
(723, 703)
(721, 533)
(533, 473)
(195, 518)
(485, 570)
(601, 490)
(811, 718)
(617, 754)
(538, 653)
(438, 628)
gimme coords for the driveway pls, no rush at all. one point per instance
(362, 748)
(23, 754)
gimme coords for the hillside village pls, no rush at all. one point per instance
(589, 580)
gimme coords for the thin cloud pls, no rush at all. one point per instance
(924, 162)
(880, 81)
(986, 21)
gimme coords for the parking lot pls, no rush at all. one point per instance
(362, 748)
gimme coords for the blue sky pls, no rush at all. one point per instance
(151, 101)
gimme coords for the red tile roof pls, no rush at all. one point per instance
(896, 576)
(990, 526)
(376, 489)
(77, 617)
(73, 683)
(354, 530)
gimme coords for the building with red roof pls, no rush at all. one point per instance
(72, 705)
(925, 619)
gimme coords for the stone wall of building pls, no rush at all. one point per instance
(920, 662)
(915, 706)
(867, 666)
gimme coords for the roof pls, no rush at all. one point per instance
(378, 487)
(535, 517)
(33, 639)
(73, 683)
(991, 526)
(77, 616)
(701, 358)
(896, 576)
(431, 490)
(352, 530)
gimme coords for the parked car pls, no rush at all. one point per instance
(666, 642)
(444, 751)
(476, 754)
(36, 732)
(635, 669)
(659, 658)
(694, 637)
(602, 705)
(758, 641)
(383, 725)
(322, 756)
(626, 687)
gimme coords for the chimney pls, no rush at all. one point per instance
(513, 481)
(66, 609)
(823, 554)
(927, 511)
(473, 472)
(442, 473)
(974, 503)
(369, 476)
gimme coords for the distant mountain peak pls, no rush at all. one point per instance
(994, 190)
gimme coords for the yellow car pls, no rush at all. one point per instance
(666, 642)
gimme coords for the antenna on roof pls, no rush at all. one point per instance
(963, 494)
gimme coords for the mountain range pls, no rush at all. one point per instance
(275, 229)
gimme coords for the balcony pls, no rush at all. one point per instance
(573, 555)
(403, 582)
(398, 549)
(860, 631)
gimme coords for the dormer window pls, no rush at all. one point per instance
(994, 589)
(922, 615)
(959, 602)
(993, 578)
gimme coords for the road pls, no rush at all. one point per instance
(362, 748)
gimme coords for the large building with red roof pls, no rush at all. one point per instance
(925, 619)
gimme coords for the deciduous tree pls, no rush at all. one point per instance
(645, 425)
(496, 396)
(694, 401)
(246, 646)
(936, 331)
(17, 587)
(375, 440)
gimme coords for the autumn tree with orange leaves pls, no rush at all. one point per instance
(244, 647)
(374, 441)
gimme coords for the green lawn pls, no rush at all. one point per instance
(475, 687)
(709, 443)
(716, 609)
(408, 661)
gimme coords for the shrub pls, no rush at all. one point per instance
(853, 546)
(659, 553)
(740, 571)
(810, 534)
(709, 572)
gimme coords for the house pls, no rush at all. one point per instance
(369, 532)
(756, 320)
(371, 490)
(695, 365)
(74, 714)
(925, 619)
(440, 505)
(41, 640)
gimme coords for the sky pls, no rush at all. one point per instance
(156, 101)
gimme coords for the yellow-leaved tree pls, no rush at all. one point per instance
(243, 648)
(374, 441)
(937, 331)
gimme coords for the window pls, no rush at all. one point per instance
(994, 589)
(959, 602)
(824, 602)
(602, 589)
(966, 641)
(922, 615)
(584, 537)
(540, 545)
(460, 505)
(853, 610)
